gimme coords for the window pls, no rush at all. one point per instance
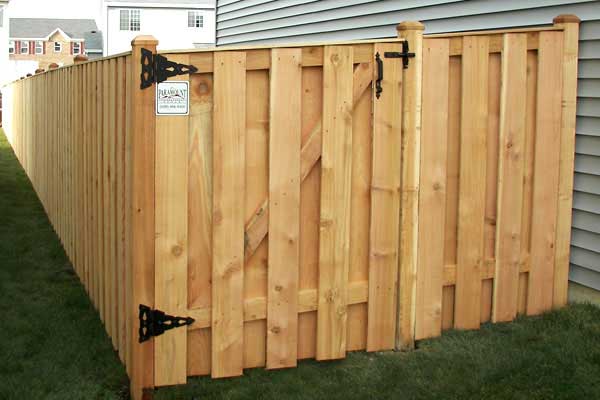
(1, 16)
(129, 20)
(57, 47)
(39, 47)
(24, 47)
(195, 19)
(76, 48)
(11, 47)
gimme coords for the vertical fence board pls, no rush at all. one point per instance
(310, 196)
(200, 216)
(228, 218)
(360, 212)
(567, 157)
(336, 164)
(171, 257)
(472, 179)
(284, 207)
(257, 191)
(432, 196)
(528, 158)
(385, 205)
(546, 173)
(510, 177)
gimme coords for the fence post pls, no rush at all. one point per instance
(570, 24)
(412, 32)
(143, 136)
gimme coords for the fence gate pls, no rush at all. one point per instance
(277, 206)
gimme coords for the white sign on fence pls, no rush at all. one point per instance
(173, 98)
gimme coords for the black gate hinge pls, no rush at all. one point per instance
(155, 322)
(405, 55)
(157, 68)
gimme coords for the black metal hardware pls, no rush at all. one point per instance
(405, 55)
(157, 68)
(378, 88)
(155, 322)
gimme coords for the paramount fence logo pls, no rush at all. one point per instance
(173, 98)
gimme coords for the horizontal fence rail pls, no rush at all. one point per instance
(316, 199)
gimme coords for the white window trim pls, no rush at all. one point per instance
(59, 47)
(78, 51)
(41, 48)
(128, 23)
(24, 45)
(11, 46)
(195, 17)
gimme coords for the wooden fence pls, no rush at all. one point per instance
(300, 212)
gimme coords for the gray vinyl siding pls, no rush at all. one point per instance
(276, 21)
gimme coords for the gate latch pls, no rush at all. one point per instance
(155, 323)
(157, 68)
(405, 55)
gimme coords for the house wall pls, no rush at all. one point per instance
(3, 43)
(64, 57)
(168, 25)
(253, 21)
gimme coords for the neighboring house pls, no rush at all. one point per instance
(177, 24)
(251, 21)
(3, 42)
(38, 42)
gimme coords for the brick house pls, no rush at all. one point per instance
(38, 42)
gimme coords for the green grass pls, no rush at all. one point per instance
(52, 344)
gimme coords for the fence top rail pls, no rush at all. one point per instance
(494, 32)
(279, 45)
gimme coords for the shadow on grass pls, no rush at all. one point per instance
(52, 344)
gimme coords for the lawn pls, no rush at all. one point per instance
(53, 346)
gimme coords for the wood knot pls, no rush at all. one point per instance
(278, 288)
(177, 250)
(437, 186)
(275, 329)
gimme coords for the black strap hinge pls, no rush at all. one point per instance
(405, 55)
(157, 68)
(155, 322)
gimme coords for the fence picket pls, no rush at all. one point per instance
(284, 213)
(385, 205)
(336, 167)
(546, 172)
(475, 61)
(432, 197)
(510, 177)
(229, 120)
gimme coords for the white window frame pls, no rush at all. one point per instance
(1, 16)
(195, 19)
(11, 47)
(78, 51)
(59, 44)
(129, 20)
(24, 46)
(39, 45)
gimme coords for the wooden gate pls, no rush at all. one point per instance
(277, 206)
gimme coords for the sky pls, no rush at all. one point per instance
(54, 9)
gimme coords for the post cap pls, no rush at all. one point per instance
(80, 58)
(144, 40)
(566, 19)
(410, 26)
(39, 71)
(29, 75)
(53, 66)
